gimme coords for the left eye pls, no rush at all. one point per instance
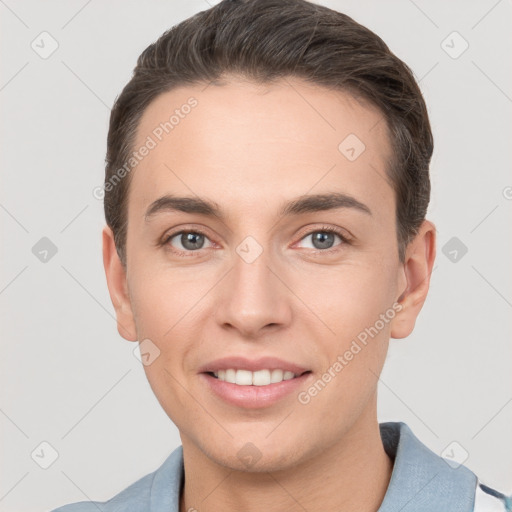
(189, 240)
(322, 239)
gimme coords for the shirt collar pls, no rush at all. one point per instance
(421, 481)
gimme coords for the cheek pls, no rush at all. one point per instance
(159, 301)
(356, 303)
(350, 298)
(352, 360)
(165, 319)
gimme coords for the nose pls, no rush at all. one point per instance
(252, 298)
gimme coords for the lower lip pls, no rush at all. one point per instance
(253, 397)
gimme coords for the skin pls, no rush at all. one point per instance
(251, 148)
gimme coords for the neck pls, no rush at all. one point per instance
(352, 474)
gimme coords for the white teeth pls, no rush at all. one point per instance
(261, 378)
(277, 376)
(258, 378)
(243, 378)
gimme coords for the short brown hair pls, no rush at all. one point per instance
(265, 40)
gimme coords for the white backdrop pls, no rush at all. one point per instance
(68, 379)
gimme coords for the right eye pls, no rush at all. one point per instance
(187, 241)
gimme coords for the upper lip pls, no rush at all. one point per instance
(242, 363)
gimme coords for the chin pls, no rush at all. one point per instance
(257, 456)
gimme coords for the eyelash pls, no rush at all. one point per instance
(323, 229)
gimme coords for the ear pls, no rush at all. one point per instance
(117, 287)
(417, 268)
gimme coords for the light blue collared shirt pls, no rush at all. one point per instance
(421, 481)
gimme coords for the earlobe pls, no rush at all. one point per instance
(117, 287)
(417, 268)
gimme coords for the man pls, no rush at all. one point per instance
(266, 188)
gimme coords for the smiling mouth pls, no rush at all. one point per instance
(257, 378)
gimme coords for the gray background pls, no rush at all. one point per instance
(69, 379)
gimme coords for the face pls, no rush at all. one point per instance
(256, 274)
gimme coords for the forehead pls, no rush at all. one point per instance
(251, 142)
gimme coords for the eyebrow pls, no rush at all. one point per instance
(297, 206)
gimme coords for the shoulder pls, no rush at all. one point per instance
(158, 490)
(134, 498)
(426, 481)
